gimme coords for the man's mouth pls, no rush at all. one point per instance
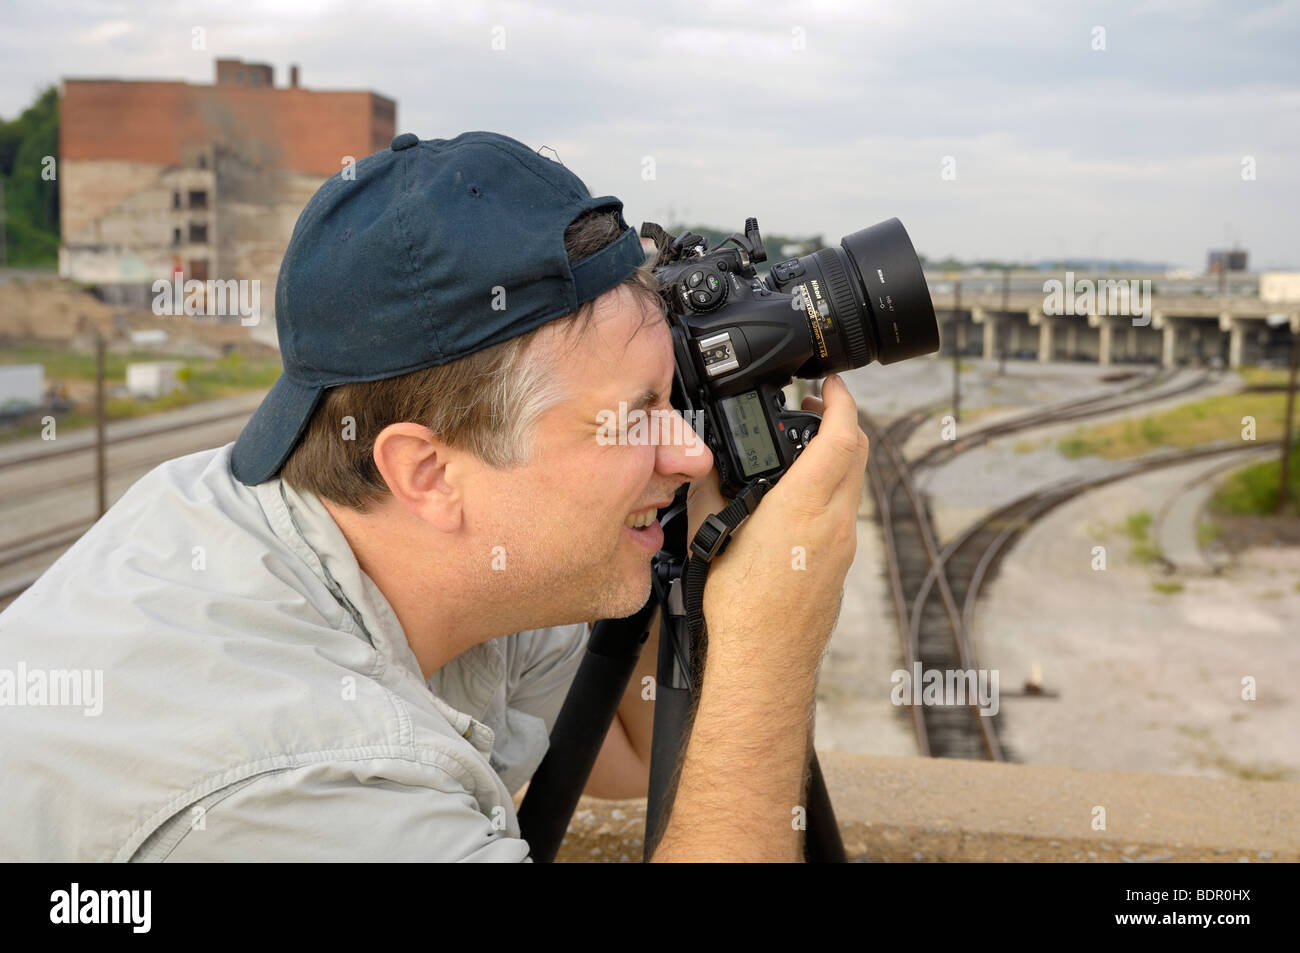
(644, 517)
(641, 518)
(645, 529)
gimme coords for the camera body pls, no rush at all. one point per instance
(739, 338)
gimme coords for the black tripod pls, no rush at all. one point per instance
(612, 652)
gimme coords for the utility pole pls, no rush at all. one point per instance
(1004, 324)
(101, 471)
(956, 353)
(4, 251)
(1286, 425)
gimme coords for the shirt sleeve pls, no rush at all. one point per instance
(545, 662)
(347, 812)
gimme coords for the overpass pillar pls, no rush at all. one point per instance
(1168, 343)
(990, 336)
(1234, 343)
(1105, 332)
(1045, 327)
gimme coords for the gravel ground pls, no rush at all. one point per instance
(1145, 680)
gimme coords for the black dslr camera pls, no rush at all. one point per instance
(738, 338)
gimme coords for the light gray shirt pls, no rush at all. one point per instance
(258, 699)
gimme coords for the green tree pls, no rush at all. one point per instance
(31, 197)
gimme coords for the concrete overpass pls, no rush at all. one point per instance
(1171, 329)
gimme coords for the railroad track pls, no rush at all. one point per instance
(27, 487)
(932, 632)
(935, 586)
(1134, 394)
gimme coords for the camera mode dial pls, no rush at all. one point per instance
(704, 290)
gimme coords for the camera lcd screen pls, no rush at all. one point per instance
(749, 433)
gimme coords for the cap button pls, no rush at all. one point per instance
(404, 141)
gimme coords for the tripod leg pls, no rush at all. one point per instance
(822, 843)
(589, 709)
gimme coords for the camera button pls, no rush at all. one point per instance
(694, 280)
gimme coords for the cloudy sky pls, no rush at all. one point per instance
(992, 129)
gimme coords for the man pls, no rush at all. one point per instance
(347, 635)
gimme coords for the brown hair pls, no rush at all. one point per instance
(487, 402)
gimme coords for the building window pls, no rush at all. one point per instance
(198, 233)
(199, 269)
(256, 79)
(198, 198)
(176, 200)
(203, 161)
(239, 77)
(176, 236)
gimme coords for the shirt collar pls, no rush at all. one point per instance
(310, 529)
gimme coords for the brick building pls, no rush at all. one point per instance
(158, 178)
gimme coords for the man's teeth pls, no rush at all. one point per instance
(640, 520)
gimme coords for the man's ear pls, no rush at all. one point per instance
(414, 463)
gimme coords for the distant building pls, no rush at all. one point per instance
(164, 177)
(1279, 287)
(1226, 260)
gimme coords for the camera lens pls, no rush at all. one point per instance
(876, 305)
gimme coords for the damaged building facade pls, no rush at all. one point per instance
(179, 181)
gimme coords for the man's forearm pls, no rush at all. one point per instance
(743, 772)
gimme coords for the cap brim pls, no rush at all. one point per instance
(273, 431)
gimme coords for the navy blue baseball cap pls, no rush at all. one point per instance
(416, 256)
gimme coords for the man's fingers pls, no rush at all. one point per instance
(838, 450)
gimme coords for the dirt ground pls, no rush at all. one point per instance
(51, 311)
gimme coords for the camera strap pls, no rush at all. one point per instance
(710, 540)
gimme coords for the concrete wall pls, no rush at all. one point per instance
(938, 809)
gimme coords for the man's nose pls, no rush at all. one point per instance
(684, 451)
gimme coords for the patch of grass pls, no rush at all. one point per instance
(1138, 529)
(67, 364)
(1167, 588)
(201, 380)
(231, 374)
(1252, 490)
(1207, 533)
(1209, 420)
(1029, 446)
(1077, 445)
(1138, 525)
(1264, 376)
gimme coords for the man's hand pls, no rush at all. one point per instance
(794, 550)
(771, 601)
(705, 495)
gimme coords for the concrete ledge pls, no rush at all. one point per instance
(919, 809)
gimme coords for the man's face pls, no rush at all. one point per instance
(562, 518)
